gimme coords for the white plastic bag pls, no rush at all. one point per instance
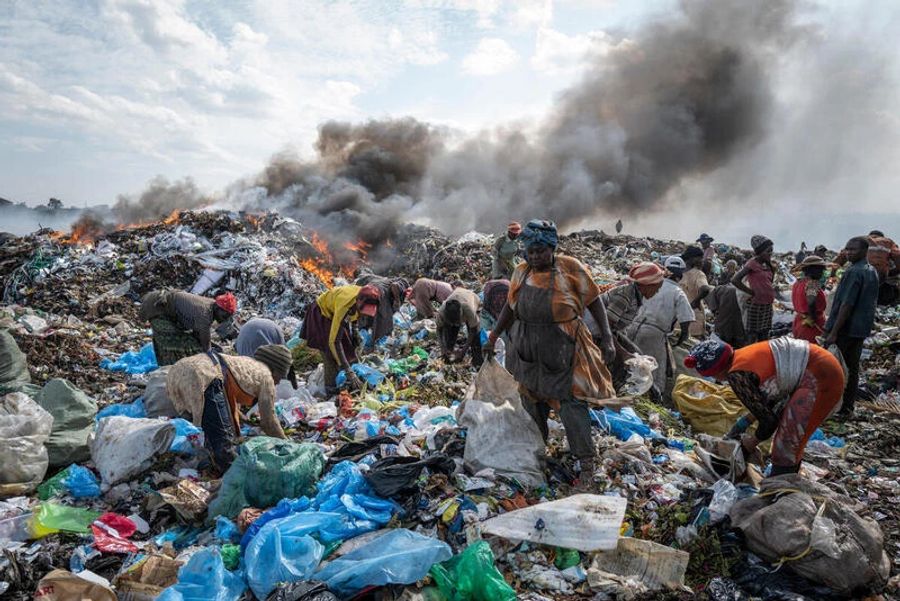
(316, 381)
(724, 496)
(501, 435)
(585, 522)
(24, 428)
(640, 375)
(123, 447)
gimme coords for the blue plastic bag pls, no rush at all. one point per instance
(226, 530)
(135, 409)
(832, 441)
(343, 492)
(81, 483)
(133, 362)
(284, 550)
(372, 376)
(397, 557)
(284, 508)
(185, 434)
(204, 578)
(622, 424)
(366, 337)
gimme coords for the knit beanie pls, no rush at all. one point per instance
(277, 358)
(709, 357)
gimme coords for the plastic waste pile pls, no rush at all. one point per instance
(430, 482)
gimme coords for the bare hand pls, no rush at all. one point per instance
(749, 442)
(609, 352)
(830, 338)
(354, 381)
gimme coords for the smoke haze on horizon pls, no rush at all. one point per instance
(725, 109)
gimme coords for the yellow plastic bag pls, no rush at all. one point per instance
(708, 407)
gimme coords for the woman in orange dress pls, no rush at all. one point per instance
(789, 386)
(809, 300)
(553, 356)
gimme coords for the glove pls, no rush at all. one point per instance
(739, 427)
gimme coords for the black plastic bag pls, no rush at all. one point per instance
(354, 451)
(302, 591)
(394, 477)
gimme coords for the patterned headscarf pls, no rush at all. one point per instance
(540, 232)
(709, 357)
(758, 242)
(646, 273)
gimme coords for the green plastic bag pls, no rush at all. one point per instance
(265, 471)
(51, 518)
(471, 576)
(566, 558)
(231, 556)
(73, 420)
(14, 376)
(54, 487)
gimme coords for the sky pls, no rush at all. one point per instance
(97, 97)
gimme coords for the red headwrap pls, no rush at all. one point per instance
(646, 273)
(227, 302)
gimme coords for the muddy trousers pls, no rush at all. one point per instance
(851, 350)
(575, 418)
(218, 426)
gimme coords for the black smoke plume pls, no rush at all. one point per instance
(678, 99)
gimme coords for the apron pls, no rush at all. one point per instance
(543, 356)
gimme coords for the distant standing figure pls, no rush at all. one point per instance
(760, 274)
(809, 300)
(695, 286)
(257, 332)
(709, 252)
(181, 321)
(506, 252)
(853, 315)
(424, 293)
(619, 226)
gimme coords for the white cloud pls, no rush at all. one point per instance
(530, 13)
(560, 54)
(490, 57)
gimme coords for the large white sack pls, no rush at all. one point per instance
(123, 447)
(24, 428)
(501, 435)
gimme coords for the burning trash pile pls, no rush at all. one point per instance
(429, 481)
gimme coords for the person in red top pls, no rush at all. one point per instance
(789, 387)
(809, 300)
(884, 256)
(760, 275)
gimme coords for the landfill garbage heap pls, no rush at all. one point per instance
(429, 483)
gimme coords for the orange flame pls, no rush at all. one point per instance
(315, 267)
(255, 219)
